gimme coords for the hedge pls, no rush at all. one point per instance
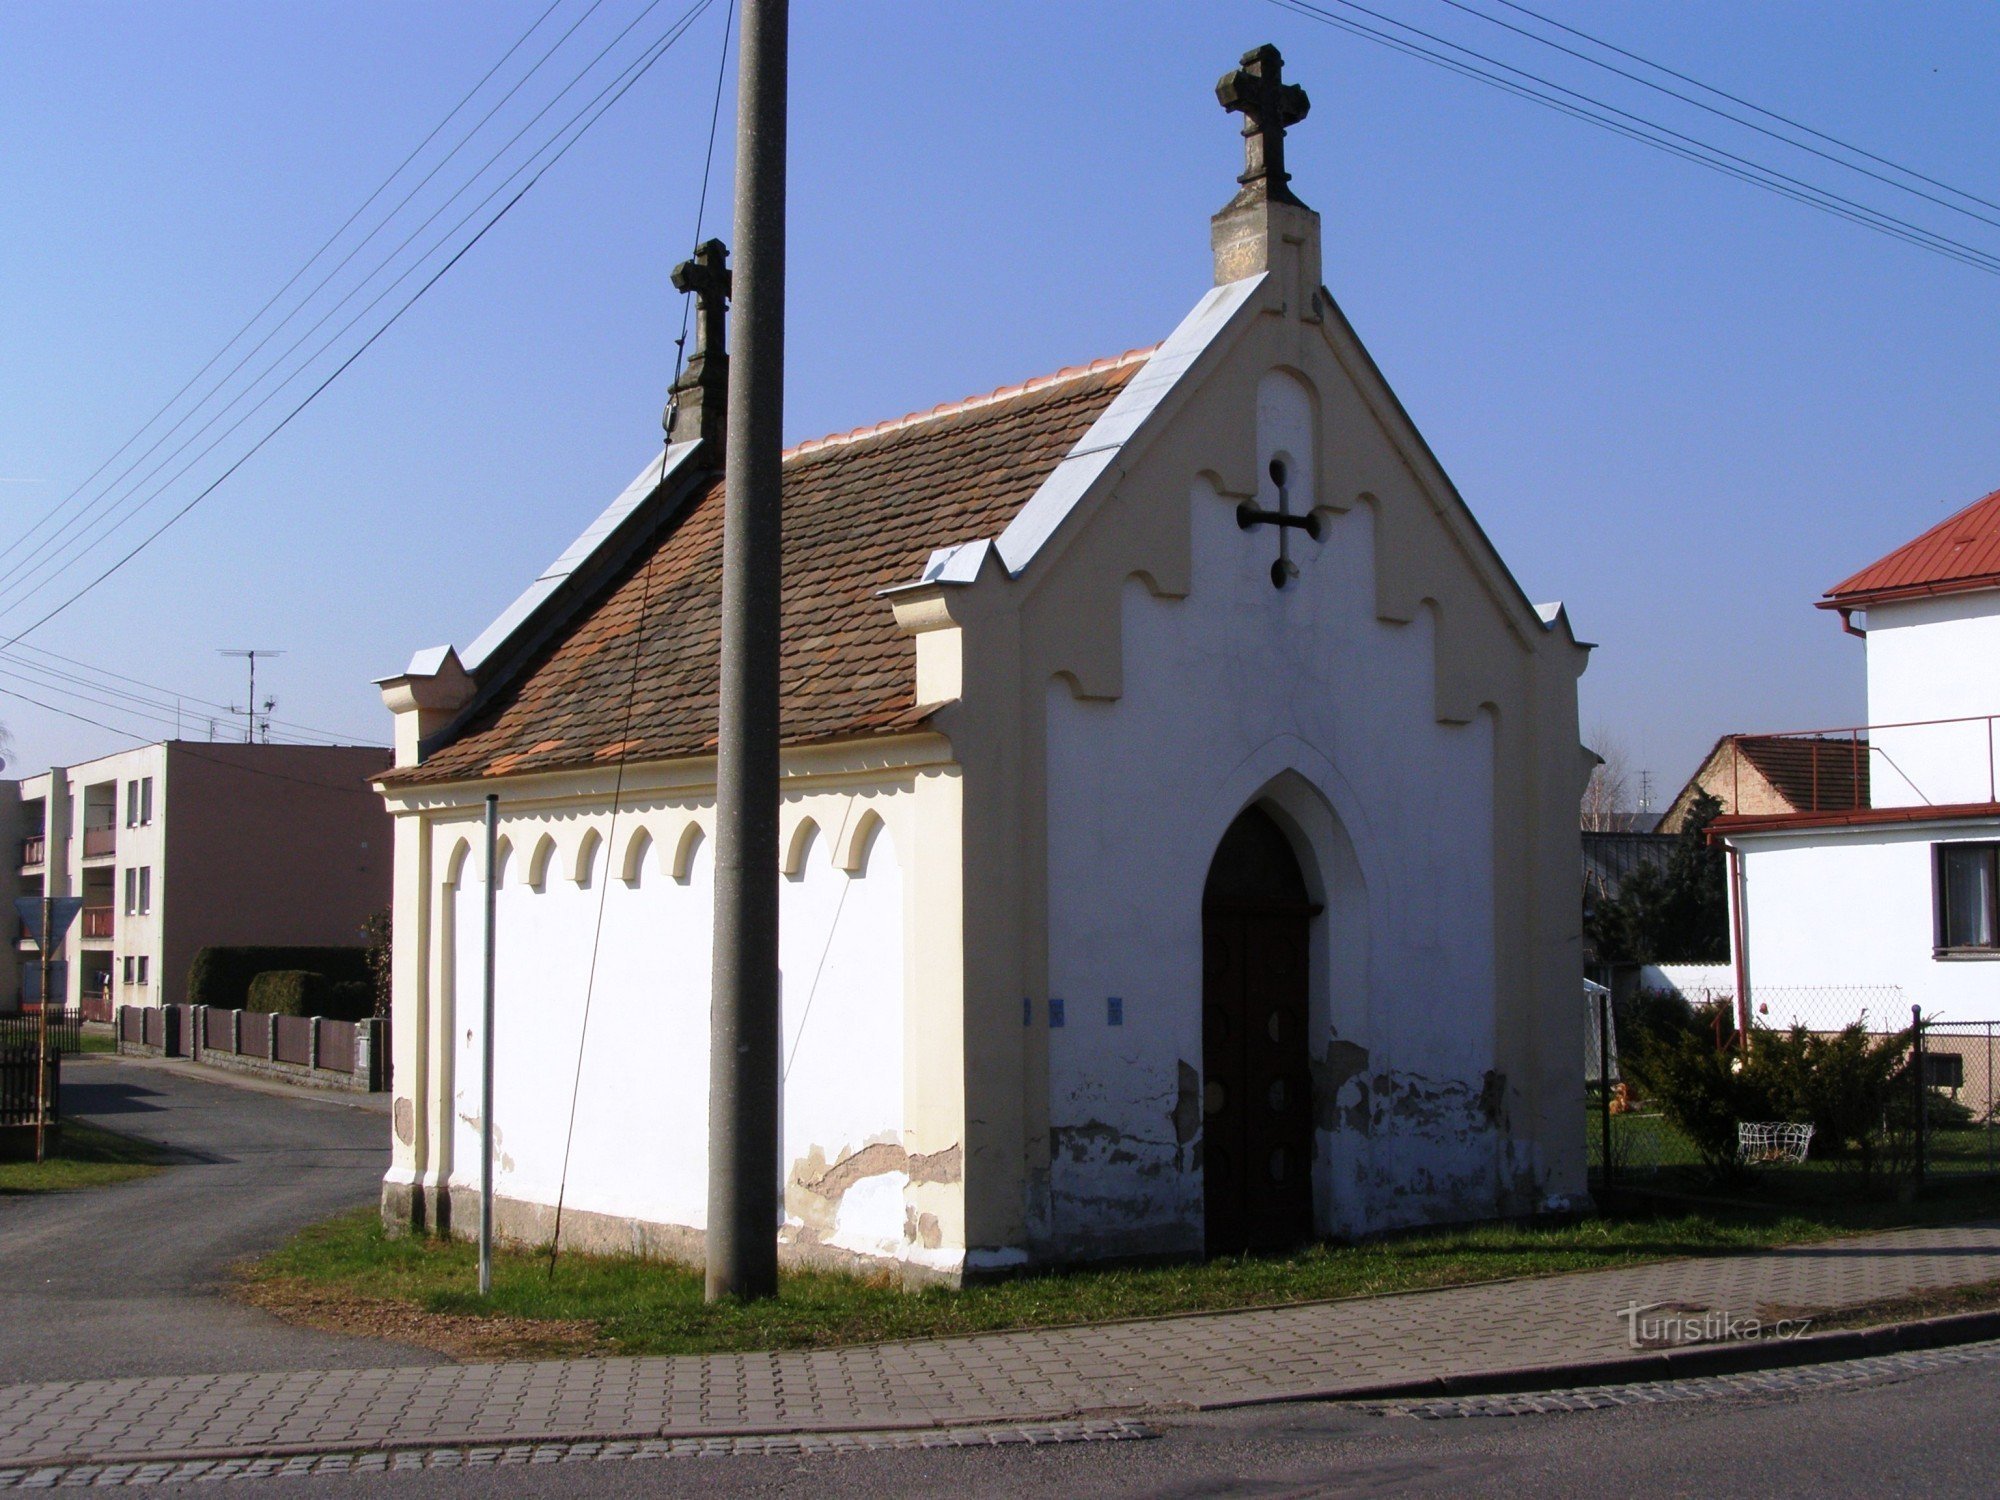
(287, 992)
(221, 976)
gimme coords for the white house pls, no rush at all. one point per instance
(1889, 895)
(1180, 835)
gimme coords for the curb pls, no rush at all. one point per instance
(1666, 1364)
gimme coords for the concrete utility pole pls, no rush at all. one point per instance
(743, 1076)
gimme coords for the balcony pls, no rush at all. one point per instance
(97, 922)
(34, 851)
(1915, 764)
(100, 843)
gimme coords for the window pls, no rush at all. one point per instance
(145, 892)
(131, 891)
(131, 804)
(146, 800)
(128, 968)
(143, 961)
(139, 802)
(1968, 883)
(138, 890)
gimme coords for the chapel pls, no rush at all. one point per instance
(1179, 820)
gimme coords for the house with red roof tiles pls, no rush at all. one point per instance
(1877, 868)
(1179, 822)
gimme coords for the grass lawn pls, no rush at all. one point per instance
(349, 1276)
(87, 1156)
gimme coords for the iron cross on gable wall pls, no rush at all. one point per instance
(1257, 90)
(1249, 515)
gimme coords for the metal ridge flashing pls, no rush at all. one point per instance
(1095, 452)
(651, 479)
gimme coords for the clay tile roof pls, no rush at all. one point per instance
(863, 511)
(1962, 552)
(1811, 772)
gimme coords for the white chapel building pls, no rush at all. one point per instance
(1179, 822)
(1885, 886)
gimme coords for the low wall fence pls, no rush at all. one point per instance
(303, 1049)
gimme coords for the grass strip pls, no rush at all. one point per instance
(85, 1156)
(348, 1275)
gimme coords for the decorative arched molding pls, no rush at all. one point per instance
(454, 864)
(538, 862)
(679, 855)
(636, 848)
(586, 856)
(798, 848)
(503, 851)
(859, 846)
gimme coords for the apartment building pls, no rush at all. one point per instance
(178, 845)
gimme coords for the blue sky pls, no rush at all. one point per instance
(1682, 405)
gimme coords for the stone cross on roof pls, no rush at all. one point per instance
(696, 407)
(1257, 90)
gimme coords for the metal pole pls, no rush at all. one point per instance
(1604, 1081)
(42, 1042)
(486, 1058)
(1917, 1073)
(743, 1079)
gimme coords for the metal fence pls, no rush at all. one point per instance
(1830, 1088)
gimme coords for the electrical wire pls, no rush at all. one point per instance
(1768, 114)
(290, 282)
(632, 682)
(1764, 130)
(609, 96)
(105, 499)
(1647, 132)
(162, 695)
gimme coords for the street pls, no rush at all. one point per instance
(128, 1280)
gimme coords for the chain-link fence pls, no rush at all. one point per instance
(1834, 1089)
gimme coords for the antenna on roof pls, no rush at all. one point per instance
(250, 711)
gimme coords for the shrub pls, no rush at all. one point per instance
(220, 976)
(1698, 1087)
(1845, 1084)
(288, 992)
(349, 1000)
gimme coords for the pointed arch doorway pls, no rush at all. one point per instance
(1257, 1135)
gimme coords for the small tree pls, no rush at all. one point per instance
(378, 933)
(1678, 913)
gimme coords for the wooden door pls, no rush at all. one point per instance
(1257, 1136)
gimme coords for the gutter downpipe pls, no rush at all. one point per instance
(1737, 934)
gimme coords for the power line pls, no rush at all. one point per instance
(1648, 132)
(292, 281)
(106, 497)
(615, 91)
(1768, 114)
(163, 694)
(1724, 114)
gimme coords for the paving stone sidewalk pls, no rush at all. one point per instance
(1203, 1361)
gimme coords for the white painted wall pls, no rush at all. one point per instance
(1929, 659)
(1839, 920)
(638, 1072)
(1309, 700)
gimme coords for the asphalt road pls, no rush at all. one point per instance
(1932, 1435)
(127, 1280)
